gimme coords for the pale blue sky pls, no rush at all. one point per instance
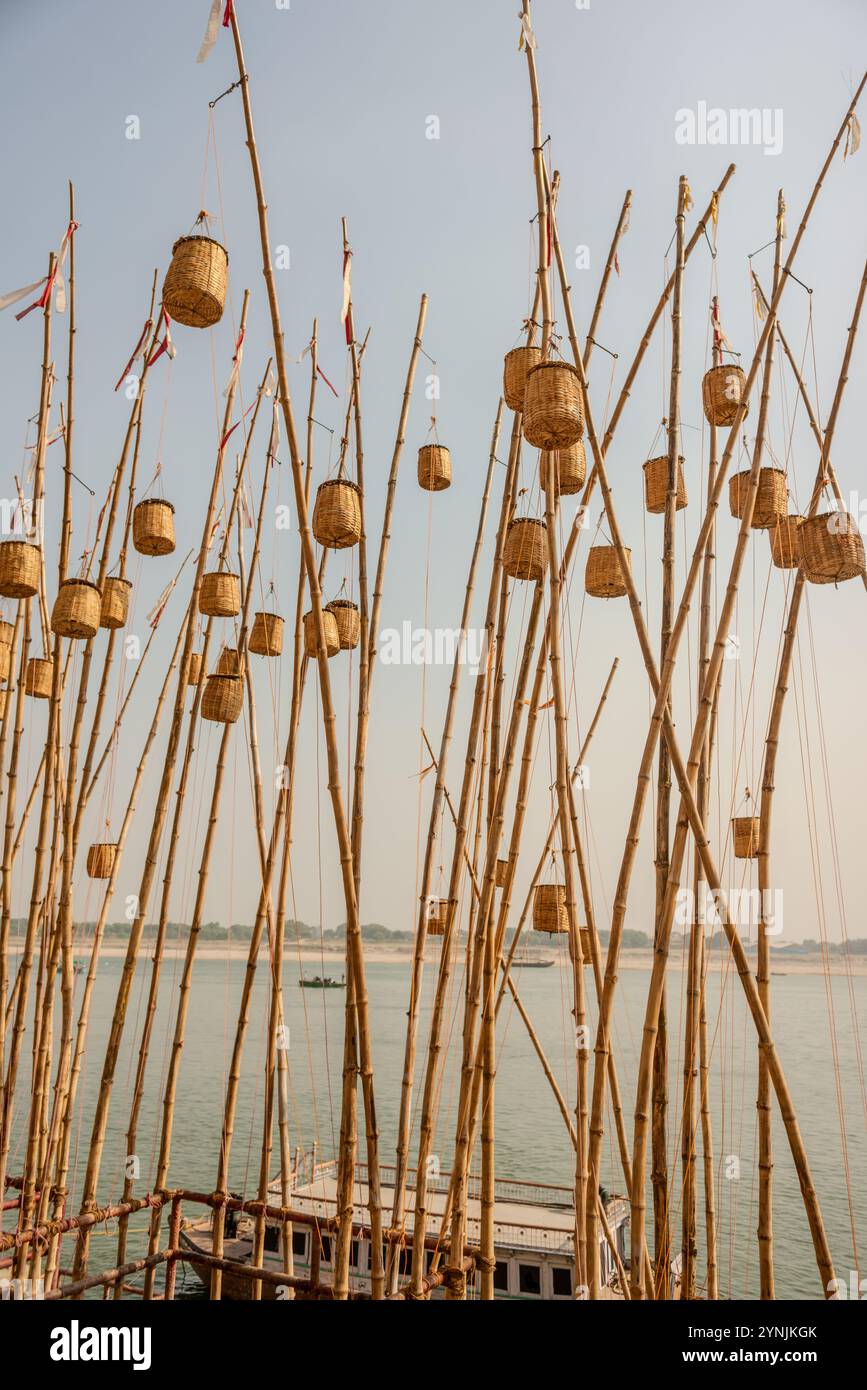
(341, 93)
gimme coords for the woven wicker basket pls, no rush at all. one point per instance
(100, 860)
(20, 563)
(785, 547)
(76, 609)
(222, 699)
(348, 621)
(5, 661)
(745, 832)
(220, 595)
(501, 872)
(437, 916)
(722, 391)
(153, 527)
(329, 626)
(771, 497)
(3, 697)
(114, 609)
(228, 662)
(525, 553)
(194, 670)
(37, 678)
(266, 635)
(656, 484)
(570, 472)
(194, 290)
(553, 409)
(549, 908)
(516, 365)
(434, 468)
(337, 514)
(7, 631)
(831, 548)
(586, 950)
(603, 577)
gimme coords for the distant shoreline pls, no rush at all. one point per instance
(332, 957)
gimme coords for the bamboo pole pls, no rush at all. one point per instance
(620, 231)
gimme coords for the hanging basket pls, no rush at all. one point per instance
(153, 527)
(570, 471)
(228, 662)
(100, 860)
(549, 908)
(501, 872)
(656, 485)
(194, 290)
(586, 949)
(223, 699)
(114, 609)
(3, 696)
(194, 670)
(220, 595)
(337, 514)
(785, 546)
(329, 625)
(20, 563)
(266, 635)
(37, 679)
(516, 365)
(603, 577)
(5, 661)
(745, 831)
(553, 410)
(7, 631)
(771, 497)
(76, 609)
(722, 390)
(437, 916)
(434, 468)
(831, 548)
(525, 553)
(346, 616)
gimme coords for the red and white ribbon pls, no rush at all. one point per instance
(136, 352)
(52, 281)
(236, 364)
(346, 310)
(166, 345)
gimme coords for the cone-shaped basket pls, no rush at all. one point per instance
(516, 365)
(220, 595)
(525, 552)
(194, 670)
(76, 609)
(832, 548)
(153, 527)
(745, 832)
(771, 497)
(228, 662)
(337, 514)
(100, 860)
(222, 699)
(114, 609)
(194, 290)
(603, 577)
(549, 908)
(437, 916)
(656, 484)
(722, 390)
(434, 468)
(502, 870)
(329, 626)
(785, 546)
(37, 678)
(20, 563)
(570, 471)
(346, 615)
(266, 635)
(553, 409)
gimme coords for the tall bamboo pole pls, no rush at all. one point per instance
(619, 231)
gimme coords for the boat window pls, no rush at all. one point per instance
(325, 1243)
(562, 1279)
(530, 1279)
(501, 1276)
(299, 1244)
(272, 1237)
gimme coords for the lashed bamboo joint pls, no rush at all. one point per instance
(603, 577)
(20, 563)
(434, 468)
(437, 916)
(329, 628)
(114, 609)
(266, 635)
(153, 527)
(220, 595)
(525, 553)
(746, 831)
(516, 365)
(337, 514)
(346, 616)
(37, 679)
(656, 485)
(222, 699)
(100, 860)
(771, 497)
(549, 908)
(570, 469)
(831, 548)
(194, 290)
(722, 390)
(785, 546)
(76, 609)
(553, 406)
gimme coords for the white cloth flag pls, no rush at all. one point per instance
(14, 295)
(211, 32)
